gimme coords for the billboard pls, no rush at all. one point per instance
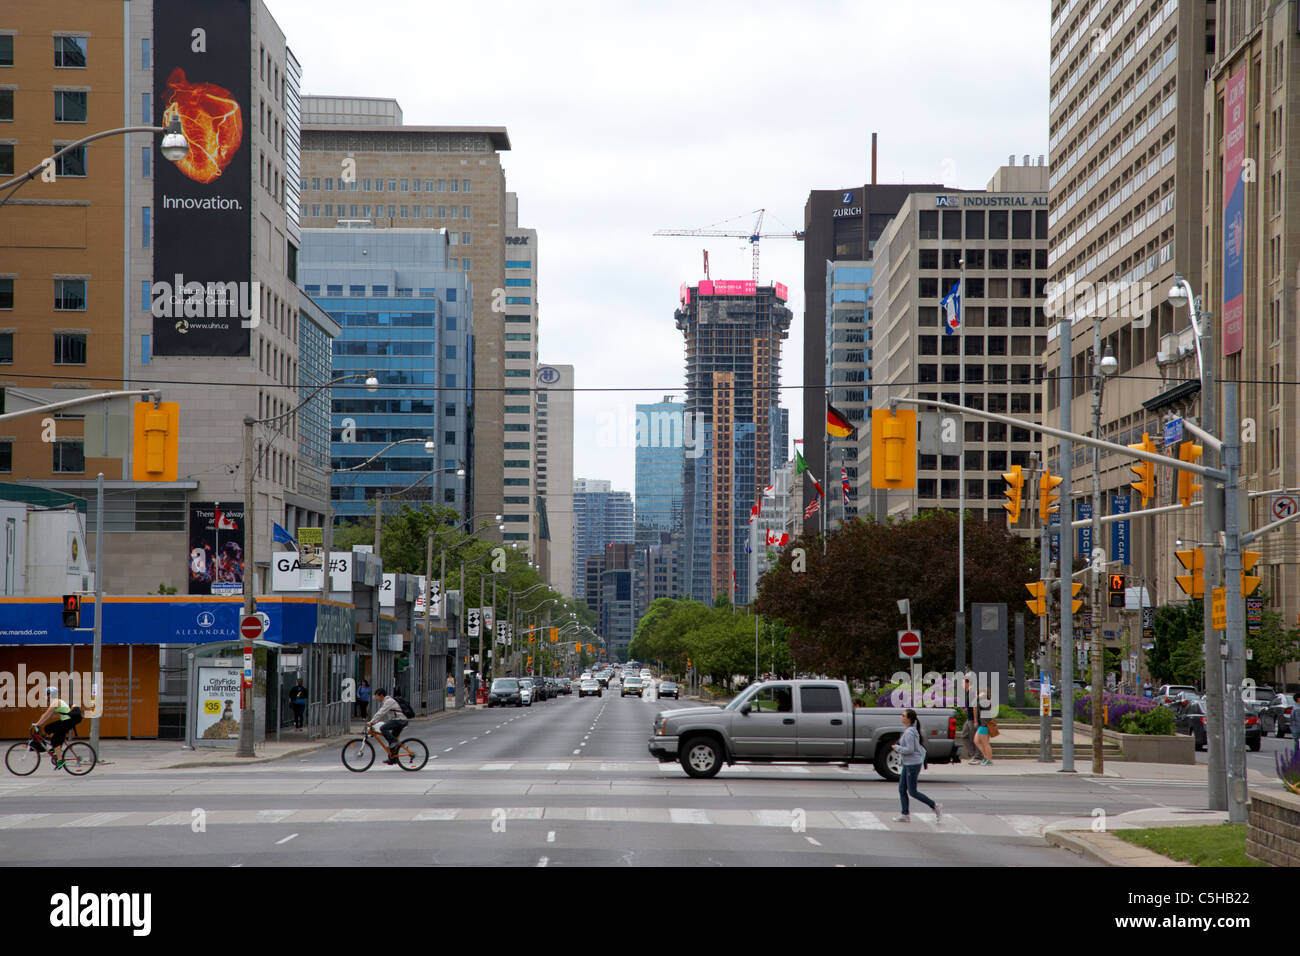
(1234, 211)
(216, 547)
(203, 299)
(217, 707)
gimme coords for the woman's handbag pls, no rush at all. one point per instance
(992, 725)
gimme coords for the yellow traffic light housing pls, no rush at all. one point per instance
(1116, 590)
(1048, 499)
(1193, 584)
(1015, 480)
(1187, 485)
(893, 448)
(1075, 603)
(1145, 470)
(157, 439)
(1039, 603)
(555, 635)
(1249, 582)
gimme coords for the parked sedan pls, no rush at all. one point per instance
(505, 690)
(1166, 693)
(1192, 721)
(526, 691)
(590, 688)
(669, 689)
(1275, 716)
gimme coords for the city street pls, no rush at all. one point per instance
(566, 782)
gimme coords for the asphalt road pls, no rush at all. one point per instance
(566, 782)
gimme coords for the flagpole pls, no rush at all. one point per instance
(961, 476)
(826, 457)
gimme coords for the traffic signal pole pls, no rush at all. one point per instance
(1212, 496)
(1097, 652)
(1065, 398)
(1234, 712)
(96, 690)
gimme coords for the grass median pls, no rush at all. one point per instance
(1213, 845)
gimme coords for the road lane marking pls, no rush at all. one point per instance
(812, 841)
(496, 766)
(550, 837)
(543, 861)
(577, 751)
(286, 839)
(462, 743)
(449, 750)
(679, 815)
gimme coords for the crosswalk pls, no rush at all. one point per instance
(795, 820)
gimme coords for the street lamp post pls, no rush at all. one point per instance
(1103, 367)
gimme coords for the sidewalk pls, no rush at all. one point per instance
(150, 756)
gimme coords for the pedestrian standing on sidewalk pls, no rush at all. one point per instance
(298, 701)
(363, 698)
(967, 739)
(912, 751)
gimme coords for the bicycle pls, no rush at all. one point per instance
(24, 757)
(359, 754)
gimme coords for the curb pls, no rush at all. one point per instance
(298, 751)
(1108, 850)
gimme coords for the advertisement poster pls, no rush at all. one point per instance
(217, 547)
(311, 546)
(1234, 211)
(203, 299)
(217, 707)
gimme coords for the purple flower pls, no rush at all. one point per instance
(1288, 769)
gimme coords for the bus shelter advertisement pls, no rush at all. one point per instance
(217, 706)
(217, 547)
(203, 299)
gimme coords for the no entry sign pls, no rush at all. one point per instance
(909, 644)
(250, 627)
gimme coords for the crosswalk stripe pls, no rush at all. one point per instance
(496, 766)
(1023, 825)
(860, 820)
(11, 820)
(679, 815)
(94, 820)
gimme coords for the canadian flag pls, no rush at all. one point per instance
(753, 513)
(224, 523)
(779, 540)
(770, 491)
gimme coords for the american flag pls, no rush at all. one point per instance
(812, 508)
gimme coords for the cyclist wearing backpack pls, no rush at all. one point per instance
(61, 719)
(390, 719)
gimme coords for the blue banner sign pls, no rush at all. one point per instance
(1119, 530)
(1083, 511)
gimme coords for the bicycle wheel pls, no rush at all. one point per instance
(358, 754)
(22, 758)
(412, 754)
(79, 758)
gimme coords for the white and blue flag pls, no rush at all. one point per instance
(281, 536)
(952, 309)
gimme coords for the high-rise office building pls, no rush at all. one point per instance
(619, 608)
(360, 163)
(1127, 189)
(733, 332)
(839, 225)
(520, 508)
(407, 316)
(660, 453)
(1002, 235)
(555, 474)
(848, 361)
(601, 517)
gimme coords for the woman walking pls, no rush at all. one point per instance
(912, 751)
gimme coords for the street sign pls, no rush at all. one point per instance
(1219, 609)
(1284, 506)
(265, 619)
(251, 627)
(1148, 623)
(1173, 432)
(248, 667)
(909, 644)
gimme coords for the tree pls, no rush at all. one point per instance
(1177, 655)
(1273, 647)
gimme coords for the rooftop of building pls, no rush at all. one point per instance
(498, 136)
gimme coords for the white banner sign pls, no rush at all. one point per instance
(388, 591)
(288, 574)
(489, 617)
(472, 617)
(437, 599)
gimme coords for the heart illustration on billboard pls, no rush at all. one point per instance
(213, 124)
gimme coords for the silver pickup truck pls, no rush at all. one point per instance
(796, 721)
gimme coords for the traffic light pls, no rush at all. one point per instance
(1117, 590)
(1039, 603)
(893, 448)
(1193, 584)
(156, 448)
(1015, 480)
(1075, 603)
(1049, 502)
(1188, 451)
(555, 635)
(72, 610)
(1145, 470)
(1249, 582)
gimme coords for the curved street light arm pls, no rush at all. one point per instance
(394, 444)
(316, 391)
(36, 170)
(101, 396)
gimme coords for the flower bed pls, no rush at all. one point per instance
(1117, 706)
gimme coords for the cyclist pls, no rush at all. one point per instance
(63, 719)
(390, 720)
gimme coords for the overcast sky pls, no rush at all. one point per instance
(626, 117)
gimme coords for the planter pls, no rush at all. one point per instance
(1273, 828)
(1157, 748)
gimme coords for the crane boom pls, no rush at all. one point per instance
(754, 235)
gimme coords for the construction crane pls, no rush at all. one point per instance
(754, 235)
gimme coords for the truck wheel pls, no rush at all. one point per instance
(701, 757)
(888, 764)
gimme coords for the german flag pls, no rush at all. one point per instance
(838, 425)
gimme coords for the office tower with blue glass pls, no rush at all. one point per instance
(660, 449)
(601, 517)
(406, 316)
(733, 332)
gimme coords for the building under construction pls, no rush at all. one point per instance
(733, 332)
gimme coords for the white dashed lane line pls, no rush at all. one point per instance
(550, 837)
(286, 839)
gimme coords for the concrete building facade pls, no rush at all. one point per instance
(555, 474)
(521, 437)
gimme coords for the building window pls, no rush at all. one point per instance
(70, 52)
(450, 410)
(392, 185)
(464, 186)
(70, 295)
(451, 351)
(405, 212)
(334, 290)
(519, 282)
(146, 109)
(146, 230)
(6, 293)
(450, 323)
(455, 185)
(145, 296)
(146, 60)
(519, 300)
(464, 238)
(69, 106)
(517, 410)
(449, 496)
(70, 456)
(465, 263)
(450, 380)
(69, 348)
(517, 373)
(406, 185)
(6, 51)
(6, 447)
(6, 348)
(519, 264)
(146, 350)
(518, 428)
(6, 103)
(146, 162)
(72, 163)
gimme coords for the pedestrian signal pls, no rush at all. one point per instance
(72, 610)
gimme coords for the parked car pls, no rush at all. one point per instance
(504, 691)
(631, 685)
(526, 691)
(1192, 721)
(669, 689)
(1166, 693)
(566, 686)
(590, 688)
(1275, 716)
(802, 721)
